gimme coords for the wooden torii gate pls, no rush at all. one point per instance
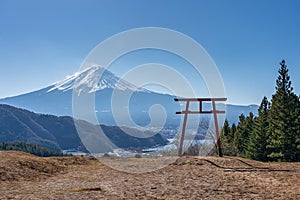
(214, 111)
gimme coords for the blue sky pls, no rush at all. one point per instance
(42, 42)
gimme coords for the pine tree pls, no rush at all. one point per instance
(226, 128)
(224, 138)
(232, 133)
(257, 142)
(237, 143)
(284, 120)
(244, 128)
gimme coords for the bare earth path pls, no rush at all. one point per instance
(23, 176)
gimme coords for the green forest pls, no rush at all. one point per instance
(273, 135)
(29, 148)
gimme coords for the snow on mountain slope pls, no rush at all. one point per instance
(90, 79)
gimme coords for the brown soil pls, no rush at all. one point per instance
(23, 176)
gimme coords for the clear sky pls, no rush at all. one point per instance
(42, 42)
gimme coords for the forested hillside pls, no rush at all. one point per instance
(29, 148)
(59, 133)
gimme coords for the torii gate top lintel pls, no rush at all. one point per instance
(200, 100)
(214, 111)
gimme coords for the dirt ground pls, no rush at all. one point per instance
(23, 176)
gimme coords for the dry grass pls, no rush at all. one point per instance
(15, 165)
(192, 178)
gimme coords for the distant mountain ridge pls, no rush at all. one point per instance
(59, 133)
(57, 99)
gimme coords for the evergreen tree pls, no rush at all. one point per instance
(224, 138)
(284, 126)
(232, 133)
(237, 136)
(258, 137)
(226, 128)
(291, 147)
(227, 139)
(244, 128)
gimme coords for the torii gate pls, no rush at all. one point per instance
(214, 111)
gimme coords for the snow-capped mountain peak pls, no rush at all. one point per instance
(90, 79)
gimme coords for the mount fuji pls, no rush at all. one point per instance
(56, 99)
